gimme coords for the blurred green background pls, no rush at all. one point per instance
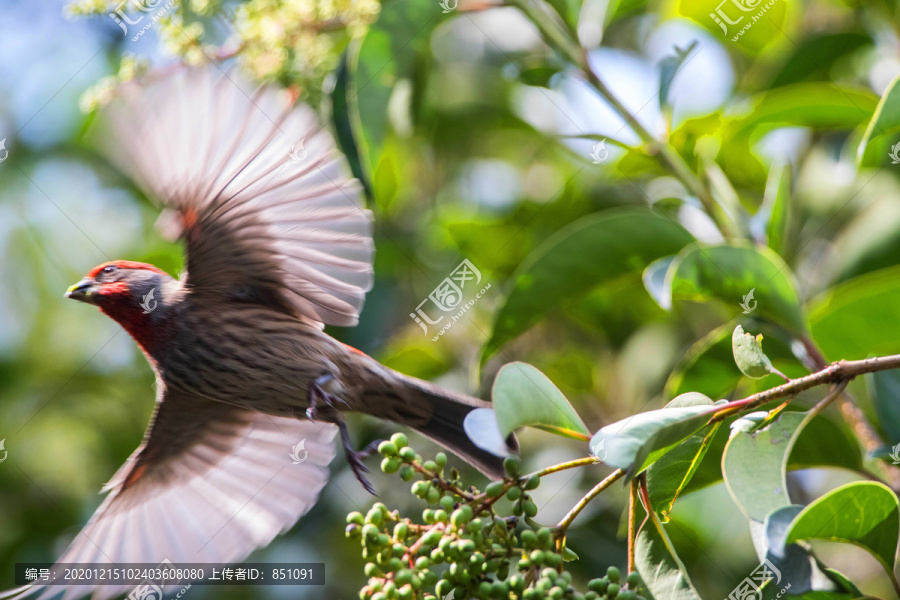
(465, 127)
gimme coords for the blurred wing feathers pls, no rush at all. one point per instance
(264, 201)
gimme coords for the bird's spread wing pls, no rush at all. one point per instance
(264, 201)
(209, 484)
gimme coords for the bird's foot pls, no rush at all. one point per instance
(355, 458)
(318, 398)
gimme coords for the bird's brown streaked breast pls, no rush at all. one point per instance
(250, 356)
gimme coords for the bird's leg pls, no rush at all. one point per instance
(318, 396)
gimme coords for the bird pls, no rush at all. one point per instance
(275, 249)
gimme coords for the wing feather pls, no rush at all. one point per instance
(257, 224)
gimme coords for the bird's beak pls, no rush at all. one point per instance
(83, 291)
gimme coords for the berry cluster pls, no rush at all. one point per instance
(463, 545)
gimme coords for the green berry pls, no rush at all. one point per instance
(433, 496)
(556, 593)
(627, 595)
(537, 557)
(494, 489)
(598, 585)
(369, 531)
(430, 465)
(387, 449)
(591, 596)
(379, 596)
(513, 494)
(423, 562)
(390, 465)
(441, 459)
(375, 517)
(440, 515)
(372, 570)
(633, 580)
(511, 464)
(407, 473)
(530, 508)
(406, 593)
(613, 574)
(532, 482)
(356, 517)
(499, 590)
(545, 537)
(529, 539)
(613, 590)
(524, 564)
(352, 530)
(420, 488)
(408, 454)
(447, 503)
(467, 546)
(401, 530)
(552, 559)
(399, 440)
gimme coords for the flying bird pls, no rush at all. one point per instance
(276, 249)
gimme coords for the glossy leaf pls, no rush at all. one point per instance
(729, 272)
(885, 123)
(637, 442)
(858, 318)
(772, 217)
(592, 251)
(668, 476)
(748, 354)
(655, 559)
(864, 513)
(525, 397)
(884, 390)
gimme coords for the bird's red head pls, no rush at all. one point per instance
(128, 292)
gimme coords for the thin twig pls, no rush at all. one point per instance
(563, 525)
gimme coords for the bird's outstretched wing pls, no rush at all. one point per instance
(209, 484)
(264, 201)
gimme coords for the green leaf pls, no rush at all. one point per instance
(885, 123)
(637, 442)
(864, 513)
(858, 318)
(385, 182)
(884, 390)
(841, 451)
(347, 124)
(754, 465)
(656, 560)
(668, 69)
(820, 105)
(749, 356)
(523, 396)
(592, 251)
(826, 49)
(668, 476)
(772, 216)
(729, 272)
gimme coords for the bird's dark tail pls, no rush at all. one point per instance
(446, 412)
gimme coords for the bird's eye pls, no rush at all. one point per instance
(109, 269)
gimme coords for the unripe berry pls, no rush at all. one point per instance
(430, 465)
(401, 530)
(513, 494)
(433, 496)
(598, 585)
(530, 508)
(441, 459)
(494, 489)
(613, 574)
(353, 530)
(613, 590)
(407, 473)
(633, 580)
(387, 449)
(407, 454)
(390, 465)
(447, 503)
(627, 595)
(356, 517)
(537, 557)
(399, 440)
(532, 482)
(511, 464)
(552, 559)
(529, 539)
